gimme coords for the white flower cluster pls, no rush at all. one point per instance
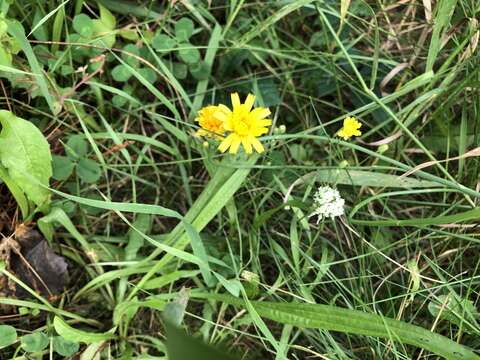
(328, 203)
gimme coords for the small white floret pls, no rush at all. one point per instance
(328, 203)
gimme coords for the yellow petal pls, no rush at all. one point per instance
(235, 144)
(257, 145)
(247, 145)
(259, 131)
(220, 115)
(235, 100)
(225, 144)
(260, 113)
(249, 102)
(262, 123)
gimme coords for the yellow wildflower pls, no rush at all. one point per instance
(211, 125)
(244, 124)
(350, 128)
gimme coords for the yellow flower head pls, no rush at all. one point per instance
(211, 125)
(244, 124)
(350, 128)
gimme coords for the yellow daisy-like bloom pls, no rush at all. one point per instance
(350, 128)
(211, 125)
(244, 124)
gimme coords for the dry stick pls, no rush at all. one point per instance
(471, 153)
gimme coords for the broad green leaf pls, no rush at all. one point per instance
(334, 318)
(72, 334)
(369, 178)
(76, 146)
(120, 73)
(62, 167)
(149, 74)
(8, 335)
(34, 342)
(25, 154)
(88, 170)
(162, 42)
(65, 347)
(107, 17)
(460, 312)
(200, 70)
(181, 346)
(188, 54)
(184, 29)
(17, 193)
(83, 25)
(174, 311)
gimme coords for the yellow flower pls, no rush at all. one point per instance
(244, 124)
(211, 125)
(350, 128)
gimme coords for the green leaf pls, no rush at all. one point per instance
(130, 59)
(65, 347)
(143, 222)
(83, 25)
(180, 70)
(369, 178)
(188, 54)
(163, 42)
(184, 29)
(34, 342)
(327, 317)
(107, 17)
(88, 170)
(17, 193)
(62, 167)
(71, 334)
(121, 73)
(460, 312)
(76, 147)
(175, 311)
(149, 74)
(15, 29)
(200, 70)
(180, 346)
(8, 335)
(25, 153)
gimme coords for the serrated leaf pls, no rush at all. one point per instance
(88, 170)
(184, 29)
(72, 334)
(65, 347)
(8, 335)
(25, 153)
(188, 54)
(62, 167)
(34, 342)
